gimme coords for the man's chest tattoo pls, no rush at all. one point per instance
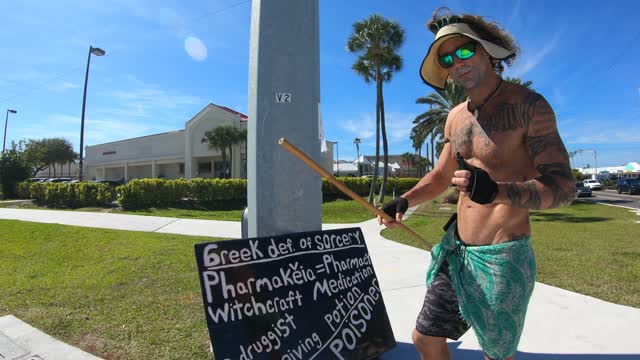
(506, 117)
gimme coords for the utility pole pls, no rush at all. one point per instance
(283, 194)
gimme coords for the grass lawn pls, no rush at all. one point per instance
(333, 212)
(115, 294)
(588, 248)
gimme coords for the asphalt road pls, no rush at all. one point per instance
(613, 198)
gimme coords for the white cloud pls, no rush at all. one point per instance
(602, 131)
(607, 137)
(63, 86)
(399, 127)
(99, 131)
(528, 60)
(96, 131)
(364, 127)
(515, 14)
(147, 100)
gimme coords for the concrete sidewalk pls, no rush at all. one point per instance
(560, 324)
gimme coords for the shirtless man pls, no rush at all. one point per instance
(503, 152)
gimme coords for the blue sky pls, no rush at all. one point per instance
(166, 60)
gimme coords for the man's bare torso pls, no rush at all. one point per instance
(496, 143)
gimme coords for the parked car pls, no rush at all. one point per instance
(58, 180)
(113, 183)
(582, 190)
(629, 186)
(36, 180)
(592, 184)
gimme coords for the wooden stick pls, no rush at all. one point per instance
(324, 173)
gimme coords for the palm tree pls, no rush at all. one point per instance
(519, 81)
(72, 160)
(409, 159)
(417, 139)
(222, 138)
(357, 141)
(376, 41)
(431, 122)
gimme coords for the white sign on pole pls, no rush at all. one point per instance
(283, 97)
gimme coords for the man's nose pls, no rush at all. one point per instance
(456, 63)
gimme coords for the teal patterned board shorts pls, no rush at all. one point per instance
(492, 284)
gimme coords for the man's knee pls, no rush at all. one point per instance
(425, 341)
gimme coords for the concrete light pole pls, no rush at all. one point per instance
(97, 52)
(283, 194)
(6, 121)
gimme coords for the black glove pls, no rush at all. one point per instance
(397, 205)
(482, 189)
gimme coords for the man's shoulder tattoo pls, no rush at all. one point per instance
(509, 116)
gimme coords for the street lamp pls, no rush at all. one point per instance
(6, 121)
(97, 52)
(2, 179)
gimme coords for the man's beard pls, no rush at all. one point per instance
(470, 81)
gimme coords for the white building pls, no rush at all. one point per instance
(366, 164)
(176, 154)
(632, 169)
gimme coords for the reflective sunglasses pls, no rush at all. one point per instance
(464, 52)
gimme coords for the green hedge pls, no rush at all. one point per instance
(210, 190)
(144, 193)
(361, 186)
(23, 190)
(76, 195)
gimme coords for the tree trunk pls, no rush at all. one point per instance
(224, 161)
(358, 161)
(419, 166)
(433, 151)
(377, 159)
(429, 163)
(385, 146)
(230, 161)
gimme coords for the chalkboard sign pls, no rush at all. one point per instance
(311, 295)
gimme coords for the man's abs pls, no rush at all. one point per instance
(491, 224)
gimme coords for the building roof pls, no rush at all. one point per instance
(243, 117)
(137, 138)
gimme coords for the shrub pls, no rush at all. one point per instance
(211, 190)
(23, 190)
(144, 193)
(223, 193)
(60, 195)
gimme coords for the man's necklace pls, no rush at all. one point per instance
(477, 108)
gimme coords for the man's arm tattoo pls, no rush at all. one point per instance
(539, 144)
(556, 178)
(524, 195)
